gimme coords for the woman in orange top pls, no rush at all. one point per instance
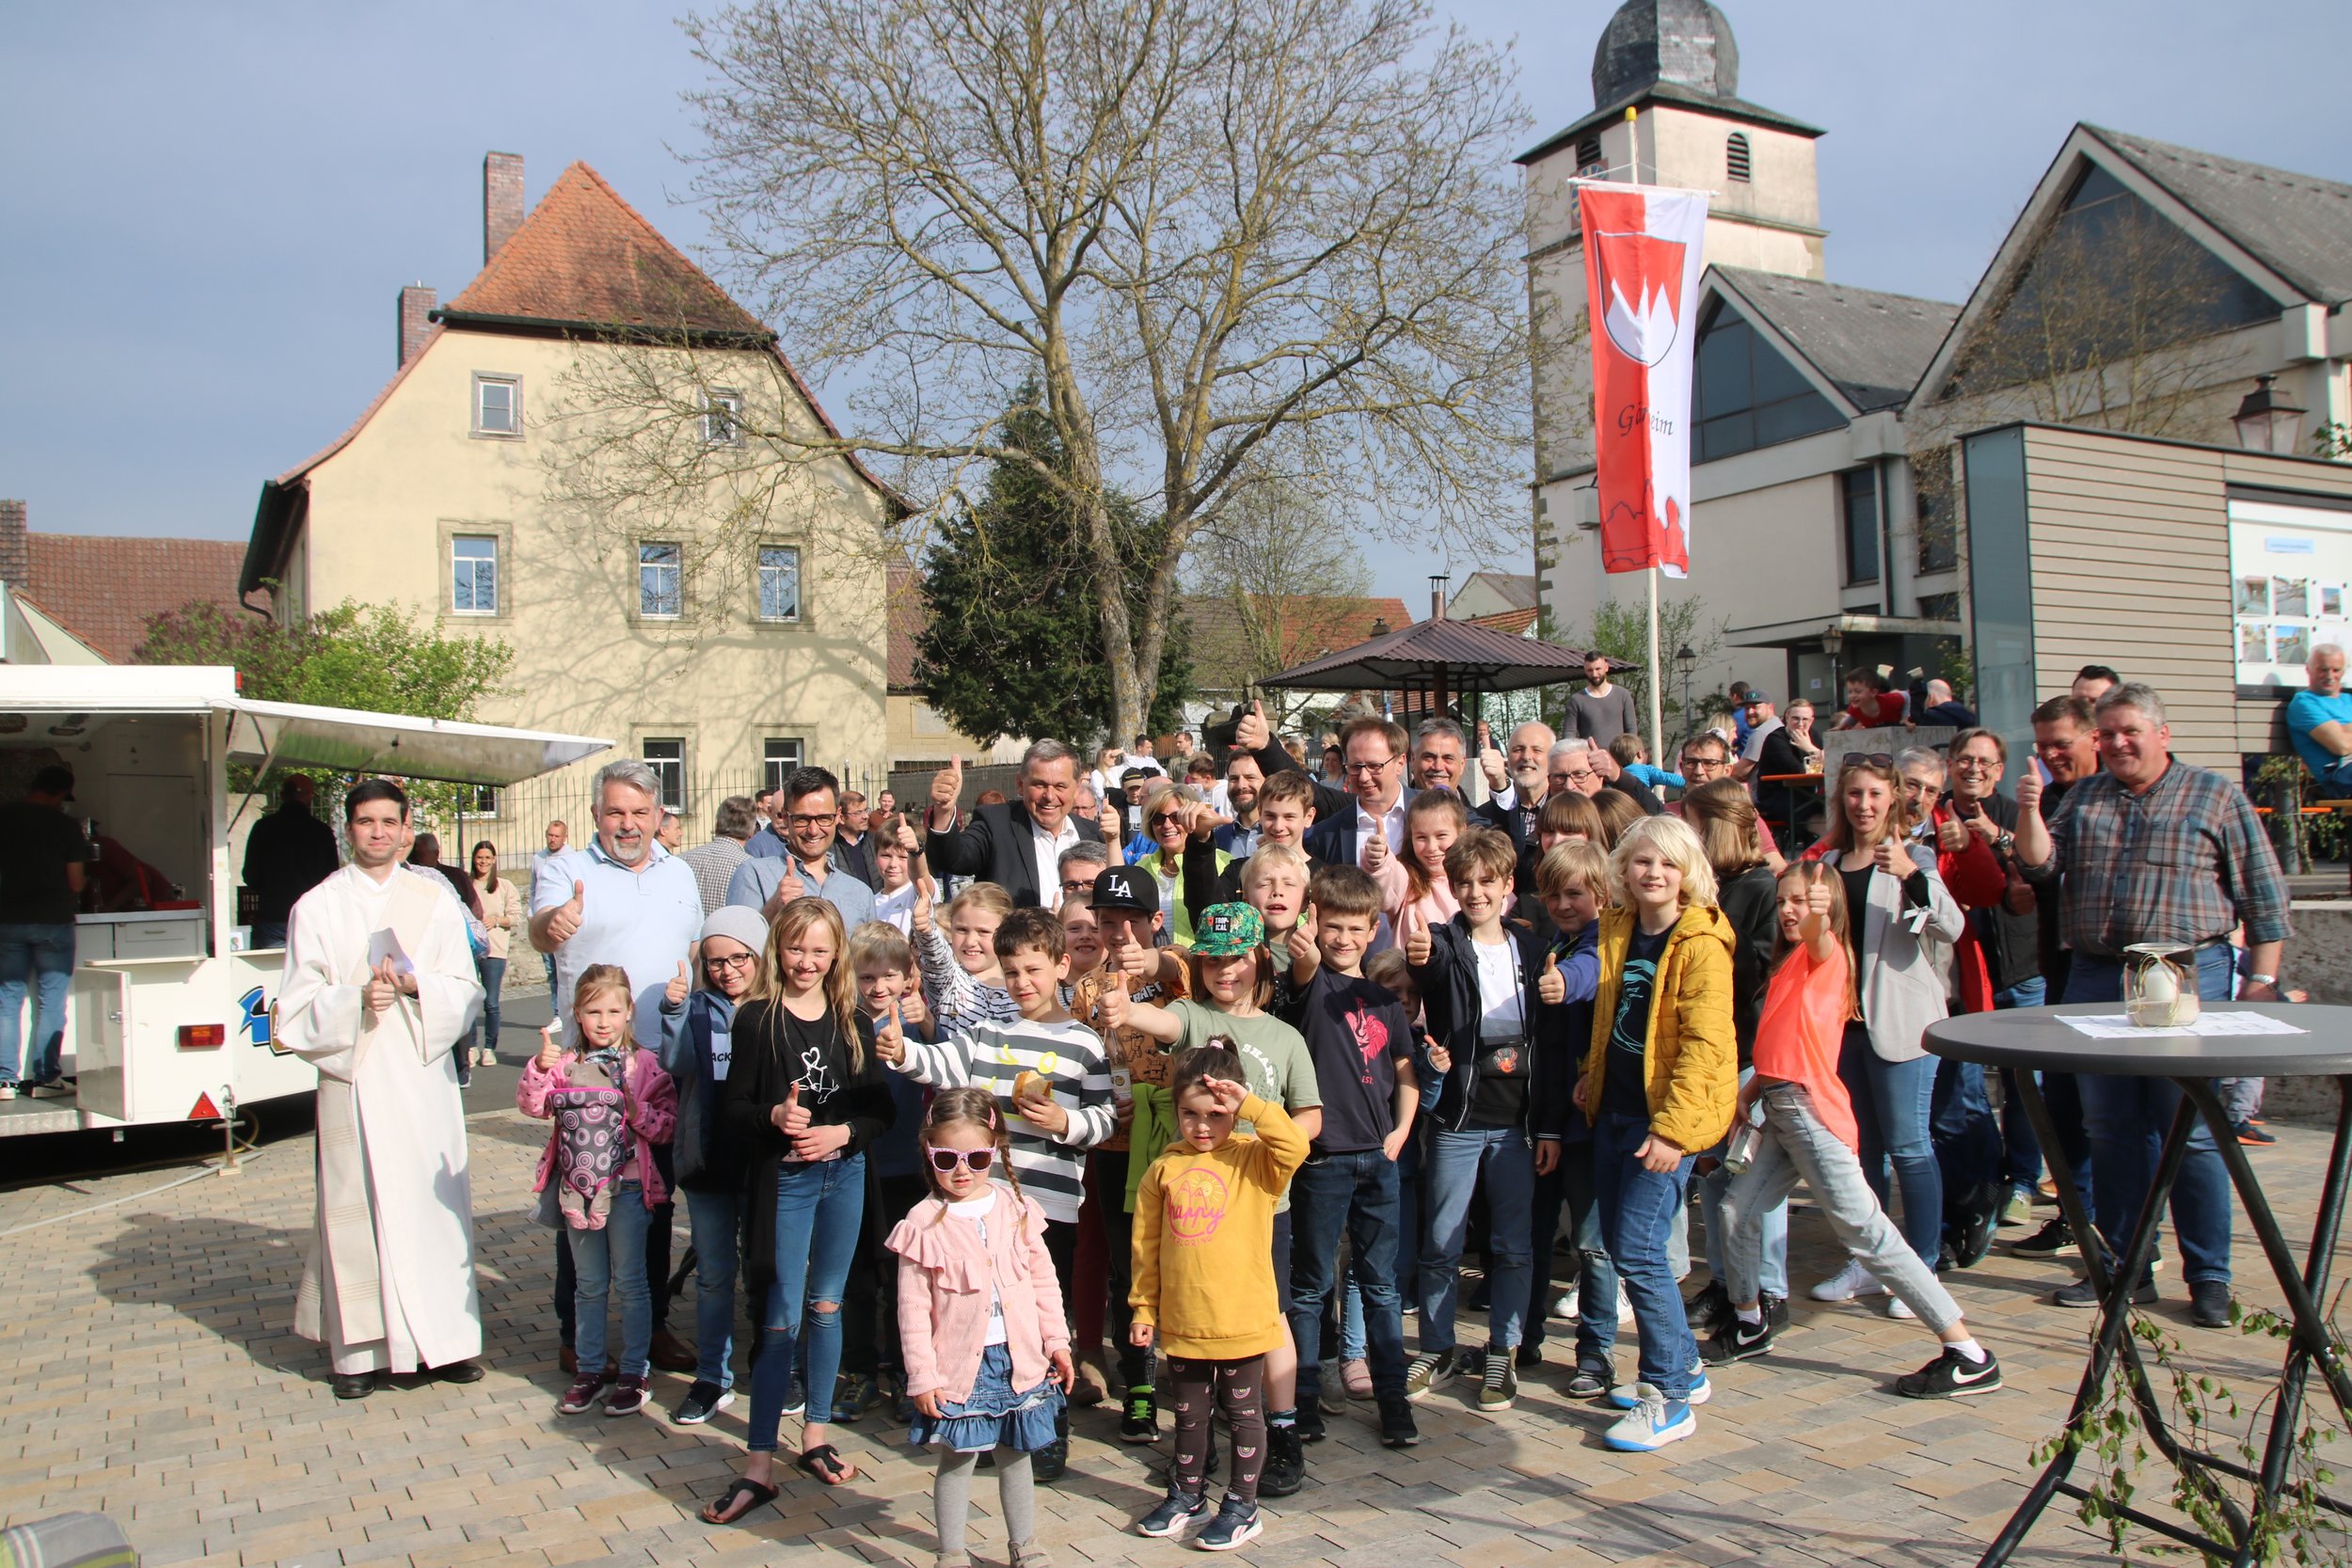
(1807, 1131)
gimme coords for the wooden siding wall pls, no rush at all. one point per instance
(2129, 543)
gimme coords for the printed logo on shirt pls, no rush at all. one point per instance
(1372, 1037)
(1196, 1205)
(1632, 1003)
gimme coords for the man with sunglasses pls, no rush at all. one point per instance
(813, 863)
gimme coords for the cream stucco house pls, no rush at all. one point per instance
(596, 455)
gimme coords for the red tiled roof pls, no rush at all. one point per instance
(1516, 622)
(104, 590)
(1311, 626)
(585, 256)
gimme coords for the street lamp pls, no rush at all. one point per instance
(2266, 420)
(1686, 661)
(1833, 643)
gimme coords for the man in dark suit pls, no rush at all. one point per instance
(1018, 844)
(1372, 752)
(1519, 784)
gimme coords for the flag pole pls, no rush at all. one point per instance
(1657, 678)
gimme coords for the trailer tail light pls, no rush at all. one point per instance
(203, 1037)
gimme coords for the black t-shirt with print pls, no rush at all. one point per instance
(1356, 1033)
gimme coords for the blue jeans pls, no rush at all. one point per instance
(1714, 1187)
(2127, 1120)
(2021, 1151)
(1506, 1159)
(1356, 1193)
(716, 1220)
(1891, 1102)
(1968, 1140)
(1571, 1187)
(821, 1209)
(612, 1260)
(493, 973)
(1638, 1208)
(1408, 1162)
(41, 957)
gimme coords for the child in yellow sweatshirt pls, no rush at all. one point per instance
(1203, 1283)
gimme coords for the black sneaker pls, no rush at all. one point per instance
(1176, 1511)
(1980, 1216)
(1736, 1341)
(1950, 1376)
(1397, 1429)
(2081, 1294)
(1140, 1421)
(1309, 1424)
(1052, 1462)
(1530, 1356)
(2208, 1302)
(854, 1394)
(1709, 1310)
(1775, 1311)
(1590, 1382)
(1237, 1525)
(1285, 1469)
(2053, 1240)
(2253, 1137)
(1431, 1372)
(702, 1402)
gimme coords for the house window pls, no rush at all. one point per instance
(929, 719)
(723, 420)
(498, 406)
(473, 574)
(1746, 394)
(778, 758)
(480, 800)
(1735, 159)
(779, 582)
(1939, 606)
(1932, 486)
(660, 595)
(1859, 491)
(667, 758)
(1588, 154)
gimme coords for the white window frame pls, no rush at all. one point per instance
(513, 384)
(464, 566)
(776, 761)
(759, 573)
(668, 764)
(675, 566)
(723, 418)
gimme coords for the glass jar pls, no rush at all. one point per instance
(2160, 983)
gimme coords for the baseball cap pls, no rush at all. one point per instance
(1755, 695)
(1123, 887)
(1227, 930)
(1138, 775)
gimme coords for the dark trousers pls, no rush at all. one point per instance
(1238, 1389)
(869, 1303)
(1355, 1193)
(1105, 1268)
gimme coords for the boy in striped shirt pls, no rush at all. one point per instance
(1054, 1117)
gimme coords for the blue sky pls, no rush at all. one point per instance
(207, 212)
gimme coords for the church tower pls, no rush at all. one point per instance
(1667, 111)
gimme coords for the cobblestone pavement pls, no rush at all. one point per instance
(157, 1379)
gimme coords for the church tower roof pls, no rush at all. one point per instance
(1687, 43)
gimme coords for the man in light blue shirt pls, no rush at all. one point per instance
(621, 899)
(2319, 723)
(811, 808)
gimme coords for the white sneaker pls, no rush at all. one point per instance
(1565, 1306)
(1651, 1424)
(1849, 1282)
(1895, 1308)
(7, 1091)
(1625, 1306)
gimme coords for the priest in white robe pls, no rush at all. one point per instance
(379, 987)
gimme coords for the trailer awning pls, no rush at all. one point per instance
(293, 735)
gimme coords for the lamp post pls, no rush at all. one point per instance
(1686, 661)
(1833, 643)
(2266, 421)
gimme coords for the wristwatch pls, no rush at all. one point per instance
(2006, 842)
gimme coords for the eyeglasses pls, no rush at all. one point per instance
(738, 961)
(1077, 885)
(977, 1161)
(812, 821)
(1367, 769)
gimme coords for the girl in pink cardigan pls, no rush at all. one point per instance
(980, 1324)
(1414, 892)
(598, 1183)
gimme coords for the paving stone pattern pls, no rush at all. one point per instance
(157, 1379)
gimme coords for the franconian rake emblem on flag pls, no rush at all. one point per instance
(1641, 304)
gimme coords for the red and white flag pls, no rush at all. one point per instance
(1642, 263)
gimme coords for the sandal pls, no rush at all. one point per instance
(825, 1463)
(716, 1512)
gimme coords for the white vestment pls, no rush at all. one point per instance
(388, 1283)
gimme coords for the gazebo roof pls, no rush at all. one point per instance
(1460, 656)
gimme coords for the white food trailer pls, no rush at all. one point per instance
(169, 1015)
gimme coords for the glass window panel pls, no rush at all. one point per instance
(779, 582)
(497, 404)
(1862, 525)
(1723, 366)
(657, 580)
(1794, 417)
(778, 758)
(473, 576)
(667, 758)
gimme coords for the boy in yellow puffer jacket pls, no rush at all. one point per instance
(1660, 1080)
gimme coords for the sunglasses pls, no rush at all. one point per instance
(1867, 759)
(1162, 817)
(977, 1161)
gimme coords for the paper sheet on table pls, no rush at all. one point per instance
(2116, 1026)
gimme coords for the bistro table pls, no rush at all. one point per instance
(2038, 1040)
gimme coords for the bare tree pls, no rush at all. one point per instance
(1275, 580)
(1206, 228)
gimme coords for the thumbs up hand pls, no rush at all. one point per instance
(1111, 822)
(786, 890)
(890, 1040)
(1492, 763)
(1417, 947)
(381, 989)
(2030, 794)
(564, 924)
(1112, 1011)
(674, 993)
(550, 1047)
(1301, 940)
(1376, 852)
(791, 1118)
(1551, 986)
(947, 786)
(1252, 733)
(912, 1013)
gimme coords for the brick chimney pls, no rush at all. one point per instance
(415, 311)
(16, 545)
(501, 200)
